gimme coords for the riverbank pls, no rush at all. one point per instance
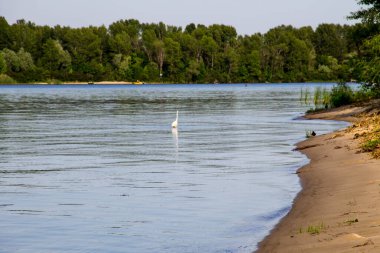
(338, 207)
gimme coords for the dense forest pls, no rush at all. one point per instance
(128, 50)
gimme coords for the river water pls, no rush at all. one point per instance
(99, 169)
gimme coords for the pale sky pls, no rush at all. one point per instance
(247, 16)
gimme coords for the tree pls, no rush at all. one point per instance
(131, 27)
(121, 43)
(54, 57)
(248, 50)
(370, 14)
(130, 50)
(159, 53)
(151, 72)
(370, 74)
(85, 48)
(369, 62)
(148, 39)
(192, 71)
(330, 40)
(173, 57)
(209, 49)
(3, 64)
(190, 28)
(25, 59)
(12, 60)
(4, 33)
(232, 62)
(253, 66)
(23, 36)
(123, 65)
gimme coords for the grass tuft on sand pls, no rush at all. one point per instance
(368, 130)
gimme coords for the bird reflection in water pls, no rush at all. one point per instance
(175, 139)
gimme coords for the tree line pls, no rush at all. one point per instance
(128, 50)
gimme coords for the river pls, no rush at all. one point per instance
(88, 168)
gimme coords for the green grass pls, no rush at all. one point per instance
(368, 131)
(319, 98)
(371, 145)
(313, 230)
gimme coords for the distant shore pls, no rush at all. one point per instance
(338, 207)
(139, 83)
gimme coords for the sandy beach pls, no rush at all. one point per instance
(338, 209)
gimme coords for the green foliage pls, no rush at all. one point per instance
(54, 57)
(129, 50)
(12, 60)
(329, 40)
(4, 79)
(317, 96)
(53, 81)
(341, 95)
(25, 60)
(151, 72)
(314, 230)
(3, 64)
(320, 98)
(369, 14)
(305, 96)
(366, 35)
(371, 145)
(369, 66)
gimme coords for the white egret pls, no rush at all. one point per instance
(175, 123)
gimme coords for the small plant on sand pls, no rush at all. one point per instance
(315, 230)
(371, 145)
(368, 130)
(352, 221)
(372, 139)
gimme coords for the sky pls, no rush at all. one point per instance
(247, 16)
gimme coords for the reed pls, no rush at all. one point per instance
(320, 98)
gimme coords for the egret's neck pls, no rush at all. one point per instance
(177, 115)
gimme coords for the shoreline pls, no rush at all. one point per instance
(338, 206)
(156, 83)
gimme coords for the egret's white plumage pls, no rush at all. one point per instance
(175, 123)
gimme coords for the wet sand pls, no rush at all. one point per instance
(338, 209)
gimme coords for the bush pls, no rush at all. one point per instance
(5, 79)
(371, 145)
(373, 90)
(362, 95)
(341, 95)
(54, 81)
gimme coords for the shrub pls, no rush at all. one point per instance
(5, 79)
(341, 95)
(371, 145)
(53, 81)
